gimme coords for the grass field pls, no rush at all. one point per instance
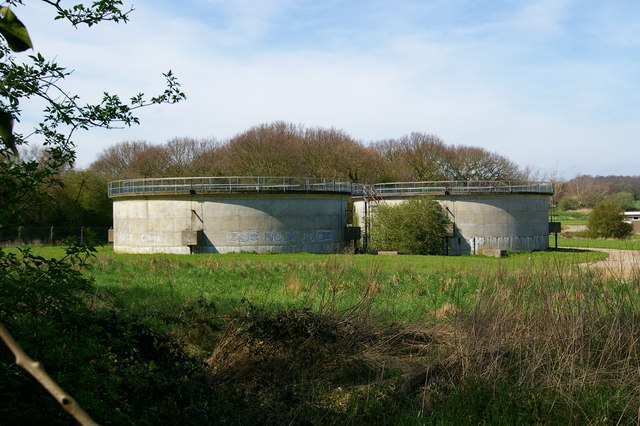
(344, 339)
(632, 243)
(406, 286)
(571, 217)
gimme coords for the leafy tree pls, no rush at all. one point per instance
(607, 221)
(625, 200)
(568, 203)
(414, 227)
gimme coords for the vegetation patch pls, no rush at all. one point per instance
(330, 339)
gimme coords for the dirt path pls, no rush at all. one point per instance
(621, 264)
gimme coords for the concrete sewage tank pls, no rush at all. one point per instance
(229, 214)
(485, 215)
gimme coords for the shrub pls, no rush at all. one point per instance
(568, 203)
(607, 221)
(414, 227)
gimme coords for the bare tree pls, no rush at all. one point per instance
(392, 166)
(473, 163)
(266, 150)
(333, 153)
(182, 154)
(423, 154)
(149, 163)
(115, 160)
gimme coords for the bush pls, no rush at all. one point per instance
(568, 203)
(414, 227)
(607, 221)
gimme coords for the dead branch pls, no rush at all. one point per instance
(37, 371)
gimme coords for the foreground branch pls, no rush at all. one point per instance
(37, 371)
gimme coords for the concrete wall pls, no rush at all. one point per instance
(285, 223)
(506, 222)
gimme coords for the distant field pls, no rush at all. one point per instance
(632, 243)
(571, 217)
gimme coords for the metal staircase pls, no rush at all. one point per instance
(371, 198)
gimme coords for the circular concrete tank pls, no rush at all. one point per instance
(223, 215)
(485, 215)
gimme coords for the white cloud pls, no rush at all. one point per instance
(542, 16)
(474, 88)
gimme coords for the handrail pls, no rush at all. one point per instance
(458, 187)
(270, 184)
(225, 184)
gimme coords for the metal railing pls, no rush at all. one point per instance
(458, 187)
(231, 184)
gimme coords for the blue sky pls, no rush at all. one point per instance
(553, 85)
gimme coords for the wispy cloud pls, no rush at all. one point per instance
(548, 83)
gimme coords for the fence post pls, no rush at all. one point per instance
(51, 235)
(82, 235)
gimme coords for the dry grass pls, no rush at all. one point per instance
(546, 345)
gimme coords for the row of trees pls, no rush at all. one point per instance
(282, 149)
(587, 191)
(275, 149)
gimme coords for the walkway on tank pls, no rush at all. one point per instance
(271, 184)
(226, 184)
(453, 188)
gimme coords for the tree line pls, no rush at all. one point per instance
(283, 149)
(587, 191)
(273, 149)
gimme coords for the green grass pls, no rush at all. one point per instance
(406, 287)
(571, 217)
(360, 339)
(632, 243)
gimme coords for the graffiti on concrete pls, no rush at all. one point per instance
(324, 236)
(249, 236)
(151, 238)
(291, 236)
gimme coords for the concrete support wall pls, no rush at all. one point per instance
(506, 222)
(285, 223)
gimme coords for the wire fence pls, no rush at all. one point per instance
(52, 235)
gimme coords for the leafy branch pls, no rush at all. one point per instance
(35, 77)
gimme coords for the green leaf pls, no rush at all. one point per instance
(6, 131)
(14, 31)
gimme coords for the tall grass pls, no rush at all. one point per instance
(554, 346)
(534, 338)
